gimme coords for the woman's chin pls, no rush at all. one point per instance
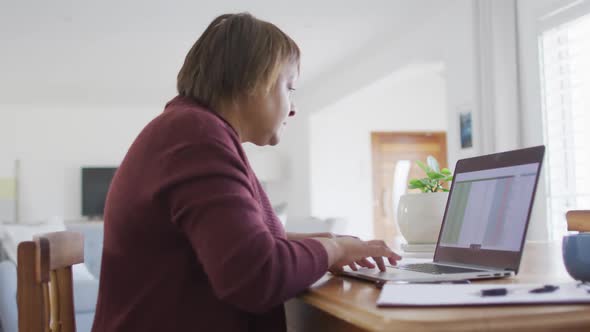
(275, 139)
(272, 141)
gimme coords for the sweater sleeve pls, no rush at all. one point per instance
(211, 199)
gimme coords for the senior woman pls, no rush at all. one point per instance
(191, 242)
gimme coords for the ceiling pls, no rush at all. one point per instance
(129, 52)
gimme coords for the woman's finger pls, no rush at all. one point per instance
(394, 256)
(380, 263)
(335, 270)
(387, 252)
(376, 250)
(366, 263)
(393, 260)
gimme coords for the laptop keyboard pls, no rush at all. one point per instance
(435, 269)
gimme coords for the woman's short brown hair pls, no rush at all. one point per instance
(237, 54)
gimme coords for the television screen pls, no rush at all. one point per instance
(95, 186)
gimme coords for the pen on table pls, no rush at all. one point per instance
(494, 292)
(544, 289)
(504, 291)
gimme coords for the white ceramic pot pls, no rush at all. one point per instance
(420, 216)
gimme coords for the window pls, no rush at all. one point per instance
(565, 80)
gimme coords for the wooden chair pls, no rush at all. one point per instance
(578, 220)
(45, 292)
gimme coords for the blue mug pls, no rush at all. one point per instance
(576, 255)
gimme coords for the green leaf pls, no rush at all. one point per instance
(425, 181)
(416, 184)
(433, 185)
(425, 168)
(435, 175)
(445, 190)
(433, 163)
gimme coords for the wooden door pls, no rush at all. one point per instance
(402, 149)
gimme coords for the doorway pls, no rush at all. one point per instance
(394, 156)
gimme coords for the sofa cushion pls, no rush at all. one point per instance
(8, 309)
(84, 322)
(93, 239)
(85, 295)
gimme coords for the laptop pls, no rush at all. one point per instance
(485, 221)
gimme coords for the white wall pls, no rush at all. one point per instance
(412, 99)
(480, 43)
(52, 144)
(53, 141)
(446, 30)
(446, 37)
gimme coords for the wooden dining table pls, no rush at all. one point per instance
(336, 303)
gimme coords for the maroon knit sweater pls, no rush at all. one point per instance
(191, 242)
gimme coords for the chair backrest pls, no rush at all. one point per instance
(578, 220)
(45, 292)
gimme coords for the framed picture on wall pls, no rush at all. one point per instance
(466, 130)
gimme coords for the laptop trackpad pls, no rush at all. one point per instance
(394, 274)
(391, 274)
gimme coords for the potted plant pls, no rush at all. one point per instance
(420, 214)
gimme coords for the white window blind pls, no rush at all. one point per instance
(565, 81)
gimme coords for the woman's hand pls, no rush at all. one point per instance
(328, 235)
(300, 236)
(351, 251)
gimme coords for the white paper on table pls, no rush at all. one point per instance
(460, 294)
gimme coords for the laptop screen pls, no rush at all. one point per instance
(488, 209)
